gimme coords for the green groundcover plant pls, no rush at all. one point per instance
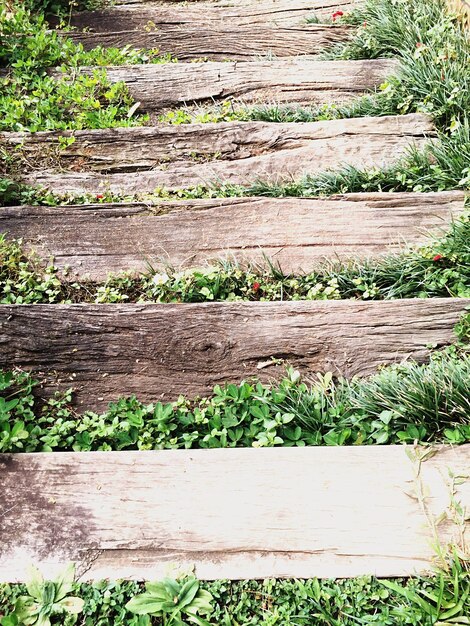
(439, 269)
(31, 99)
(400, 404)
(440, 600)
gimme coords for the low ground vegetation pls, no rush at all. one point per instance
(443, 599)
(31, 99)
(400, 404)
(439, 269)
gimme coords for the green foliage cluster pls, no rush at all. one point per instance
(32, 99)
(434, 50)
(442, 599)
(439, 269)
(401, 403)
(63, 7)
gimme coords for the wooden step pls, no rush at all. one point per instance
(164, 350)
(218, 43)
(93, 240)
(141, 16)
(232, 514)
(299, 80)
(137, 160)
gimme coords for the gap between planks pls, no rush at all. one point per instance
(163, 350)
(91, 241)
(237, 514)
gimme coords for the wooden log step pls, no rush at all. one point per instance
(298, 80)
(137, 160)
(93, 240)
(216, 43)
(141, 16)
(164, 350)
(232, 514)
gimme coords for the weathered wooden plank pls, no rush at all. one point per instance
(149, 15)
(299, 80)
(162, 350)
(239, 514)
(235, 43)
(137, 160)
(93, 240)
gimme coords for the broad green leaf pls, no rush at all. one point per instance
(145, 604)
(195, 619)
(202, 603)
(35, 583)
(158, 591)
(72, 604)
(172, 586)
(26, 607)
(188, 592)
(64, 582)
(43, 620)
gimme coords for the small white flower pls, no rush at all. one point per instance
(160, 279)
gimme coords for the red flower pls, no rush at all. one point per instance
(256, 286)
(419, 44)
(438, 257)
(364, 24)
(100, 196)
(336, 15)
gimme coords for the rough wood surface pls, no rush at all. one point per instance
(187, 41)
(93, 240)
(220, 14)
(163, 350)
(297, 80)
(193, 154)
(237, 514)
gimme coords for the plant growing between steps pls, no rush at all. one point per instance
(439, 269)
(434, 51)
(45, 600)
(439, 600)
(177, 603)
(31, 99)
(400, 404)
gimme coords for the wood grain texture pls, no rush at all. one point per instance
(296, 233)
(298, 80)
(163, 350)
(186, 42)
(138, 16)
(237, 514)
(137, 160)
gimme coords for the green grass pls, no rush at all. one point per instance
(419, 601)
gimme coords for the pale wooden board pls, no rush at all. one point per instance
(218, 43)
(297, 80)
(137, 160)
(138, 16)
(296, 233)
(164, 350)
(237, 514)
